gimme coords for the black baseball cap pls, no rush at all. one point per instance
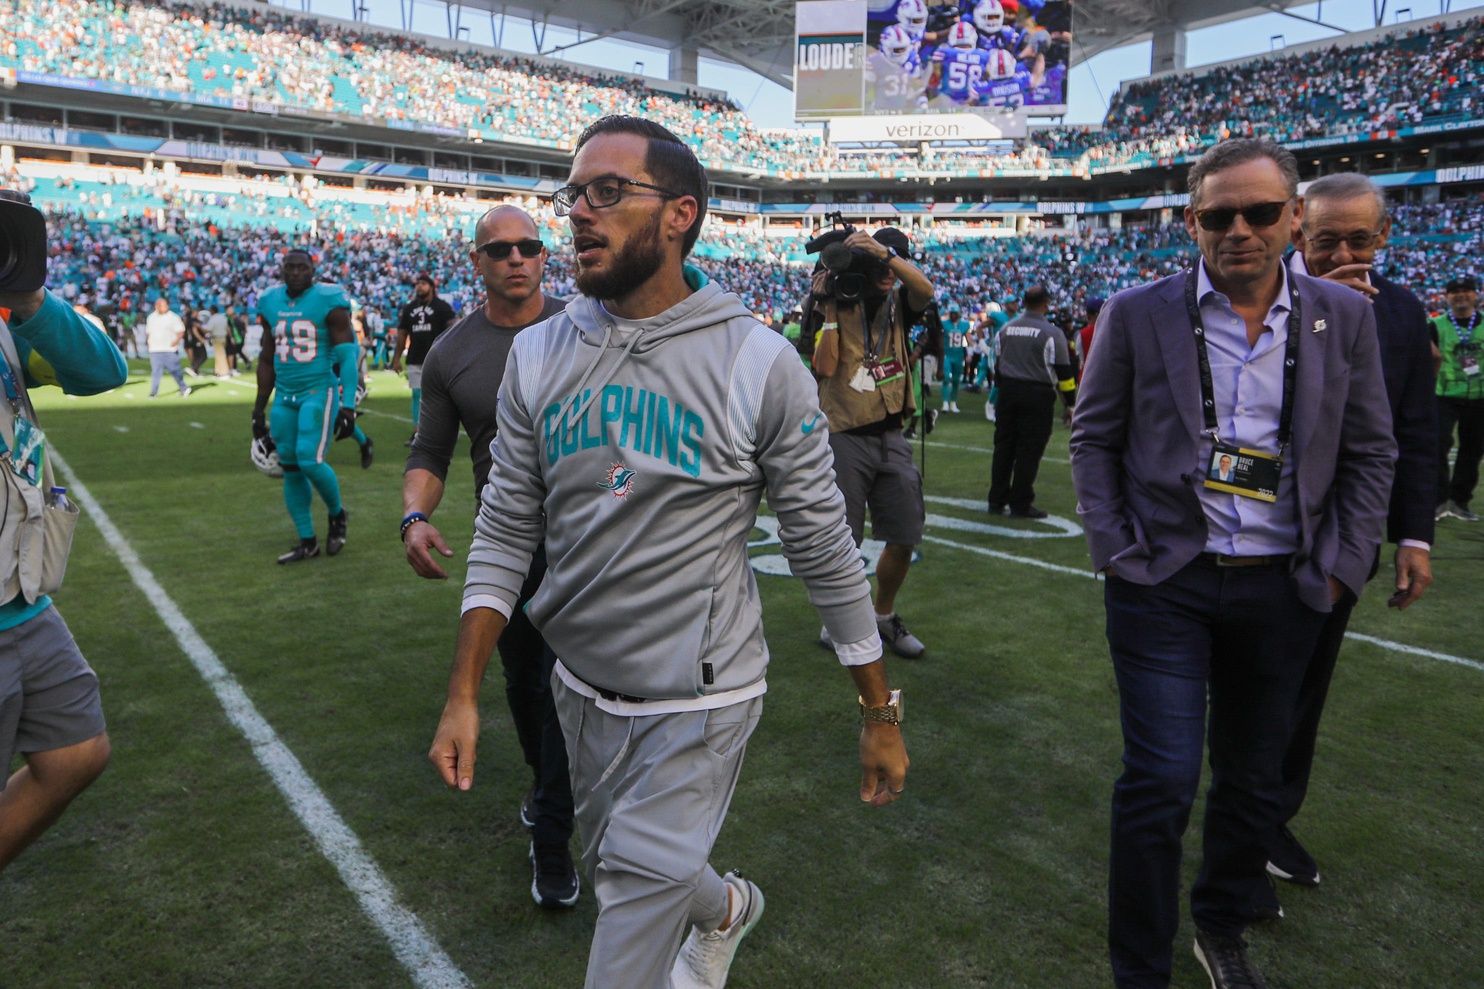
(895, 239)
(1466, 283)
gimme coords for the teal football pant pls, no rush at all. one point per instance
(953, 373)
(303, 426)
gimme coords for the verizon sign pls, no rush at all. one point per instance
(927, 127)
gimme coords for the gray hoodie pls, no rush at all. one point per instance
(642, 464)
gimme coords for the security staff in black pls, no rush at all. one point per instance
(1032, 366)
(422, 320)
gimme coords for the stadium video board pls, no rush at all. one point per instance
(984, 63)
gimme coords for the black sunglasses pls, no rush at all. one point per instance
(499, 250)
(1259, 215)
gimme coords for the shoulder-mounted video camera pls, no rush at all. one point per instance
(22, 243)
(850, 269)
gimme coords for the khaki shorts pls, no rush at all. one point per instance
(877, 472)
(48, 692)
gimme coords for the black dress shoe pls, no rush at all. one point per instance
(997, 508)
(1226, 963)
(1289, 861)
(1028, 512)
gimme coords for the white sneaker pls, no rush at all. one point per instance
(705, 959)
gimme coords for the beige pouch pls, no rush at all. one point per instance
(58, 524)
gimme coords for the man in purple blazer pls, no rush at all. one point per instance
(1217, 590)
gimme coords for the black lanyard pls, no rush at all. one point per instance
(888, 307)
(1203, 359)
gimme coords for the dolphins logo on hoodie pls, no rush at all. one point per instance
(618, 479)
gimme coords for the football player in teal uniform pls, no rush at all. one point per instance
(307, 329)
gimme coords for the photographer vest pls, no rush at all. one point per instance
(35, 537)
(845, 407)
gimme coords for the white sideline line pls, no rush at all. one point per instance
(1387, 644)
(1026, 560)
(1441, 657)
(414, 947)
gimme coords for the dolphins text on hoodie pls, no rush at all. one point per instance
(641, 459)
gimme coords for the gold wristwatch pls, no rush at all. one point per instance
(889, 713)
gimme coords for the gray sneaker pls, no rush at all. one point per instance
(1444, 510)
(894, 636)
(705, 959)
(1461, 512)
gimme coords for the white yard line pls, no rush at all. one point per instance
(410, 941)
(1387, 644)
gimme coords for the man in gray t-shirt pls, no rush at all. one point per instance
(461, 378)
(1032, 366)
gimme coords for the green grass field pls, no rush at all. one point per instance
(184, 866)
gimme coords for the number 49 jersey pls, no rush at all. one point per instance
(301, 334)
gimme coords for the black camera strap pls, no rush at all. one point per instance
(1203, 360)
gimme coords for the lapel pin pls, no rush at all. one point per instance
(1320, 326)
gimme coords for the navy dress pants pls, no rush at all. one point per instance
(1232, 640)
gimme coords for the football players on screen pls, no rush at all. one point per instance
(307, 329)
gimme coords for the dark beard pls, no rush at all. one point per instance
(642, 256)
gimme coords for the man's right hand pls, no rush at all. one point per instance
(1353, 275)
(259, 426)
(419, 538)
(454, 743)
(883, 763)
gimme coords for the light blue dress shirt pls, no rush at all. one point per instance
(1248, 385)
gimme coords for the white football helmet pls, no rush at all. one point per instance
(265, 456)
(963, 36)
(912, 15)
(989, 16)
(897, 44)
(1001, 65)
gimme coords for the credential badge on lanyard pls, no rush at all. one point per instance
(1234, 469)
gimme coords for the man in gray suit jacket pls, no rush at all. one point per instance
(1218, 590)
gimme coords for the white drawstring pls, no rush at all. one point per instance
(623, 751)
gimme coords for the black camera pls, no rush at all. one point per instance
(849, 268)
(22, 243)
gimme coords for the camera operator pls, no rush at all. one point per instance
(865, 296)
(49, 707)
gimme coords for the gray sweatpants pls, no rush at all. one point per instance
(650, 796)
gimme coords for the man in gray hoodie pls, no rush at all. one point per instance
(638, 432)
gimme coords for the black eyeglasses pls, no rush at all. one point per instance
(499, 250)
(1259, 215)
(1325, 243)
(600, 193)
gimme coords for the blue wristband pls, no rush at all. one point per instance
(409, 520)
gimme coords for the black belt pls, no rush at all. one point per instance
(610, 695)
(1223, 560)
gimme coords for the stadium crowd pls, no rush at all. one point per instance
(266, 54)
(123, 255)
